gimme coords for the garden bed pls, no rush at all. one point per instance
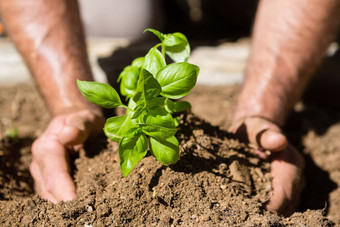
(217, 181)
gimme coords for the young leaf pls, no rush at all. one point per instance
(112, 126)
(117, 127)
(156, 102)
(177, 79)
(154, 61)
(147, 87)
(131, 104)
(177, 47)
(158, 126)
(160, 35)
(165, 151)
(138, 62)
(149, 106)
(176, 107)
(101, 94)
(129, 79)
(140, 107)
(131, 150)
(175, 39)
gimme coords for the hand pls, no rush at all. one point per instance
(286, 162)
(50, 167)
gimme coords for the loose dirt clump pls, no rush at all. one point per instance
(217, 182)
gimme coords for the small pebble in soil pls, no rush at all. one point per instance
(89, 208)
(223, 186)
(103, 210)
(268, 187)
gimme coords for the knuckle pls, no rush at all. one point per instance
(42, 146)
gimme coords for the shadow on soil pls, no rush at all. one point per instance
(321, 111)
(319, 185)
(207, 157)
(12, 171)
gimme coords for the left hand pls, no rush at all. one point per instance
(287, 163)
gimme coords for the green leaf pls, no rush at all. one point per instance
(156, 102)
(12, 134)
(138, 110)
(149, 106)
(117, 127)
(129, 79)
(101, 94)
(160, 35)
(158, 126)
(177, 47)
(138, 62)
(177, 79)
(175, 39)
(131, 104)
(176, 120)
(165, 151)
(147, 87)
(154, 61)
(181, 106)
(131, 150)
(175, 107)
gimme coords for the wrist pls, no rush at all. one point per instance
(267, 103)
(271, 113)
(274, 119)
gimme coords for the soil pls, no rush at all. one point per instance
(217, 182)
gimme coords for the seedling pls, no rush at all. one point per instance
(12, 134)
(151, 87)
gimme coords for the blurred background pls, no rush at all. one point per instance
(217, 31)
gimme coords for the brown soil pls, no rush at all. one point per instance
(217, 182)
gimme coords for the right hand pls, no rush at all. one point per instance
(287, 163)
(50, 162)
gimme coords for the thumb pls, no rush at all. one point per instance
(260, 132)
(271, 139)
(75, 131)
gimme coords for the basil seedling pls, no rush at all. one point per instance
(151, 87)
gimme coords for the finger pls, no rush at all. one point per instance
(263, 134)
(281, 189)
(75, 131)
(71, 136)
(287, 181)
(271, 140)
(39, 185)
(52, 160)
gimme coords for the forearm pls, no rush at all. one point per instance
(289, 41)
(50, 37)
